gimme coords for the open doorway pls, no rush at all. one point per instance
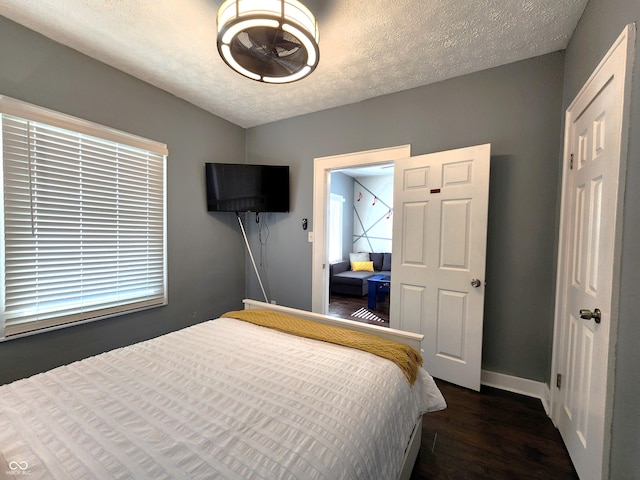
(437, 288)
(323, 169)
(360, 225)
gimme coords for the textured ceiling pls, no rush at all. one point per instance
(368, 48)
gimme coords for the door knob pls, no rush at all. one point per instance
(475, 283)
(588, 314)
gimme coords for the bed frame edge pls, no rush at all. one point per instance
(408, 338)
(411, 454)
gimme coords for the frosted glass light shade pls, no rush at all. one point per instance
(272, 41)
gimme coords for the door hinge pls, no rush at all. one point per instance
(571, 162)
(559, 380)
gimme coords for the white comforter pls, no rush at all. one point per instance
(223, 399)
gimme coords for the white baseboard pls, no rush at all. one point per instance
(523, 386)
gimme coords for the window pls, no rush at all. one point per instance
(335, 227)
(83, 220)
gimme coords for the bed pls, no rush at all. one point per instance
(223, 399)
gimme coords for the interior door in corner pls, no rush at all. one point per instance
(586, 309)
(438, 262)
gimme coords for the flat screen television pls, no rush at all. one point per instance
(235, 187)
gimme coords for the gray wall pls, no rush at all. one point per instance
(517, 108)
(205, 251)
(343, 185)
(601, 23)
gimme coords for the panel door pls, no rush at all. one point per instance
(438, 261)
(590, 206)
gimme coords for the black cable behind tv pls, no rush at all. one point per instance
(236, 187)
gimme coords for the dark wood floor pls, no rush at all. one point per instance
(344, 305)
(490, 435)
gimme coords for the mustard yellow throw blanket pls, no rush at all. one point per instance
(402, 355)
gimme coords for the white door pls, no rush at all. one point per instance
(438, 261)
(585, 308)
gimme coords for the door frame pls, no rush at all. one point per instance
(322, 168)
(588, 91)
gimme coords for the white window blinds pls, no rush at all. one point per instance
(84, 220)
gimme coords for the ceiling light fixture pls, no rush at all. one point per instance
(272, 41)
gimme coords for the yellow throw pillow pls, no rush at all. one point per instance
(362, 266)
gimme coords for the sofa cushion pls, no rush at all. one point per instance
(362, 266)
(352, 278)
(386, 261)
(358, 257)
(376, 258)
